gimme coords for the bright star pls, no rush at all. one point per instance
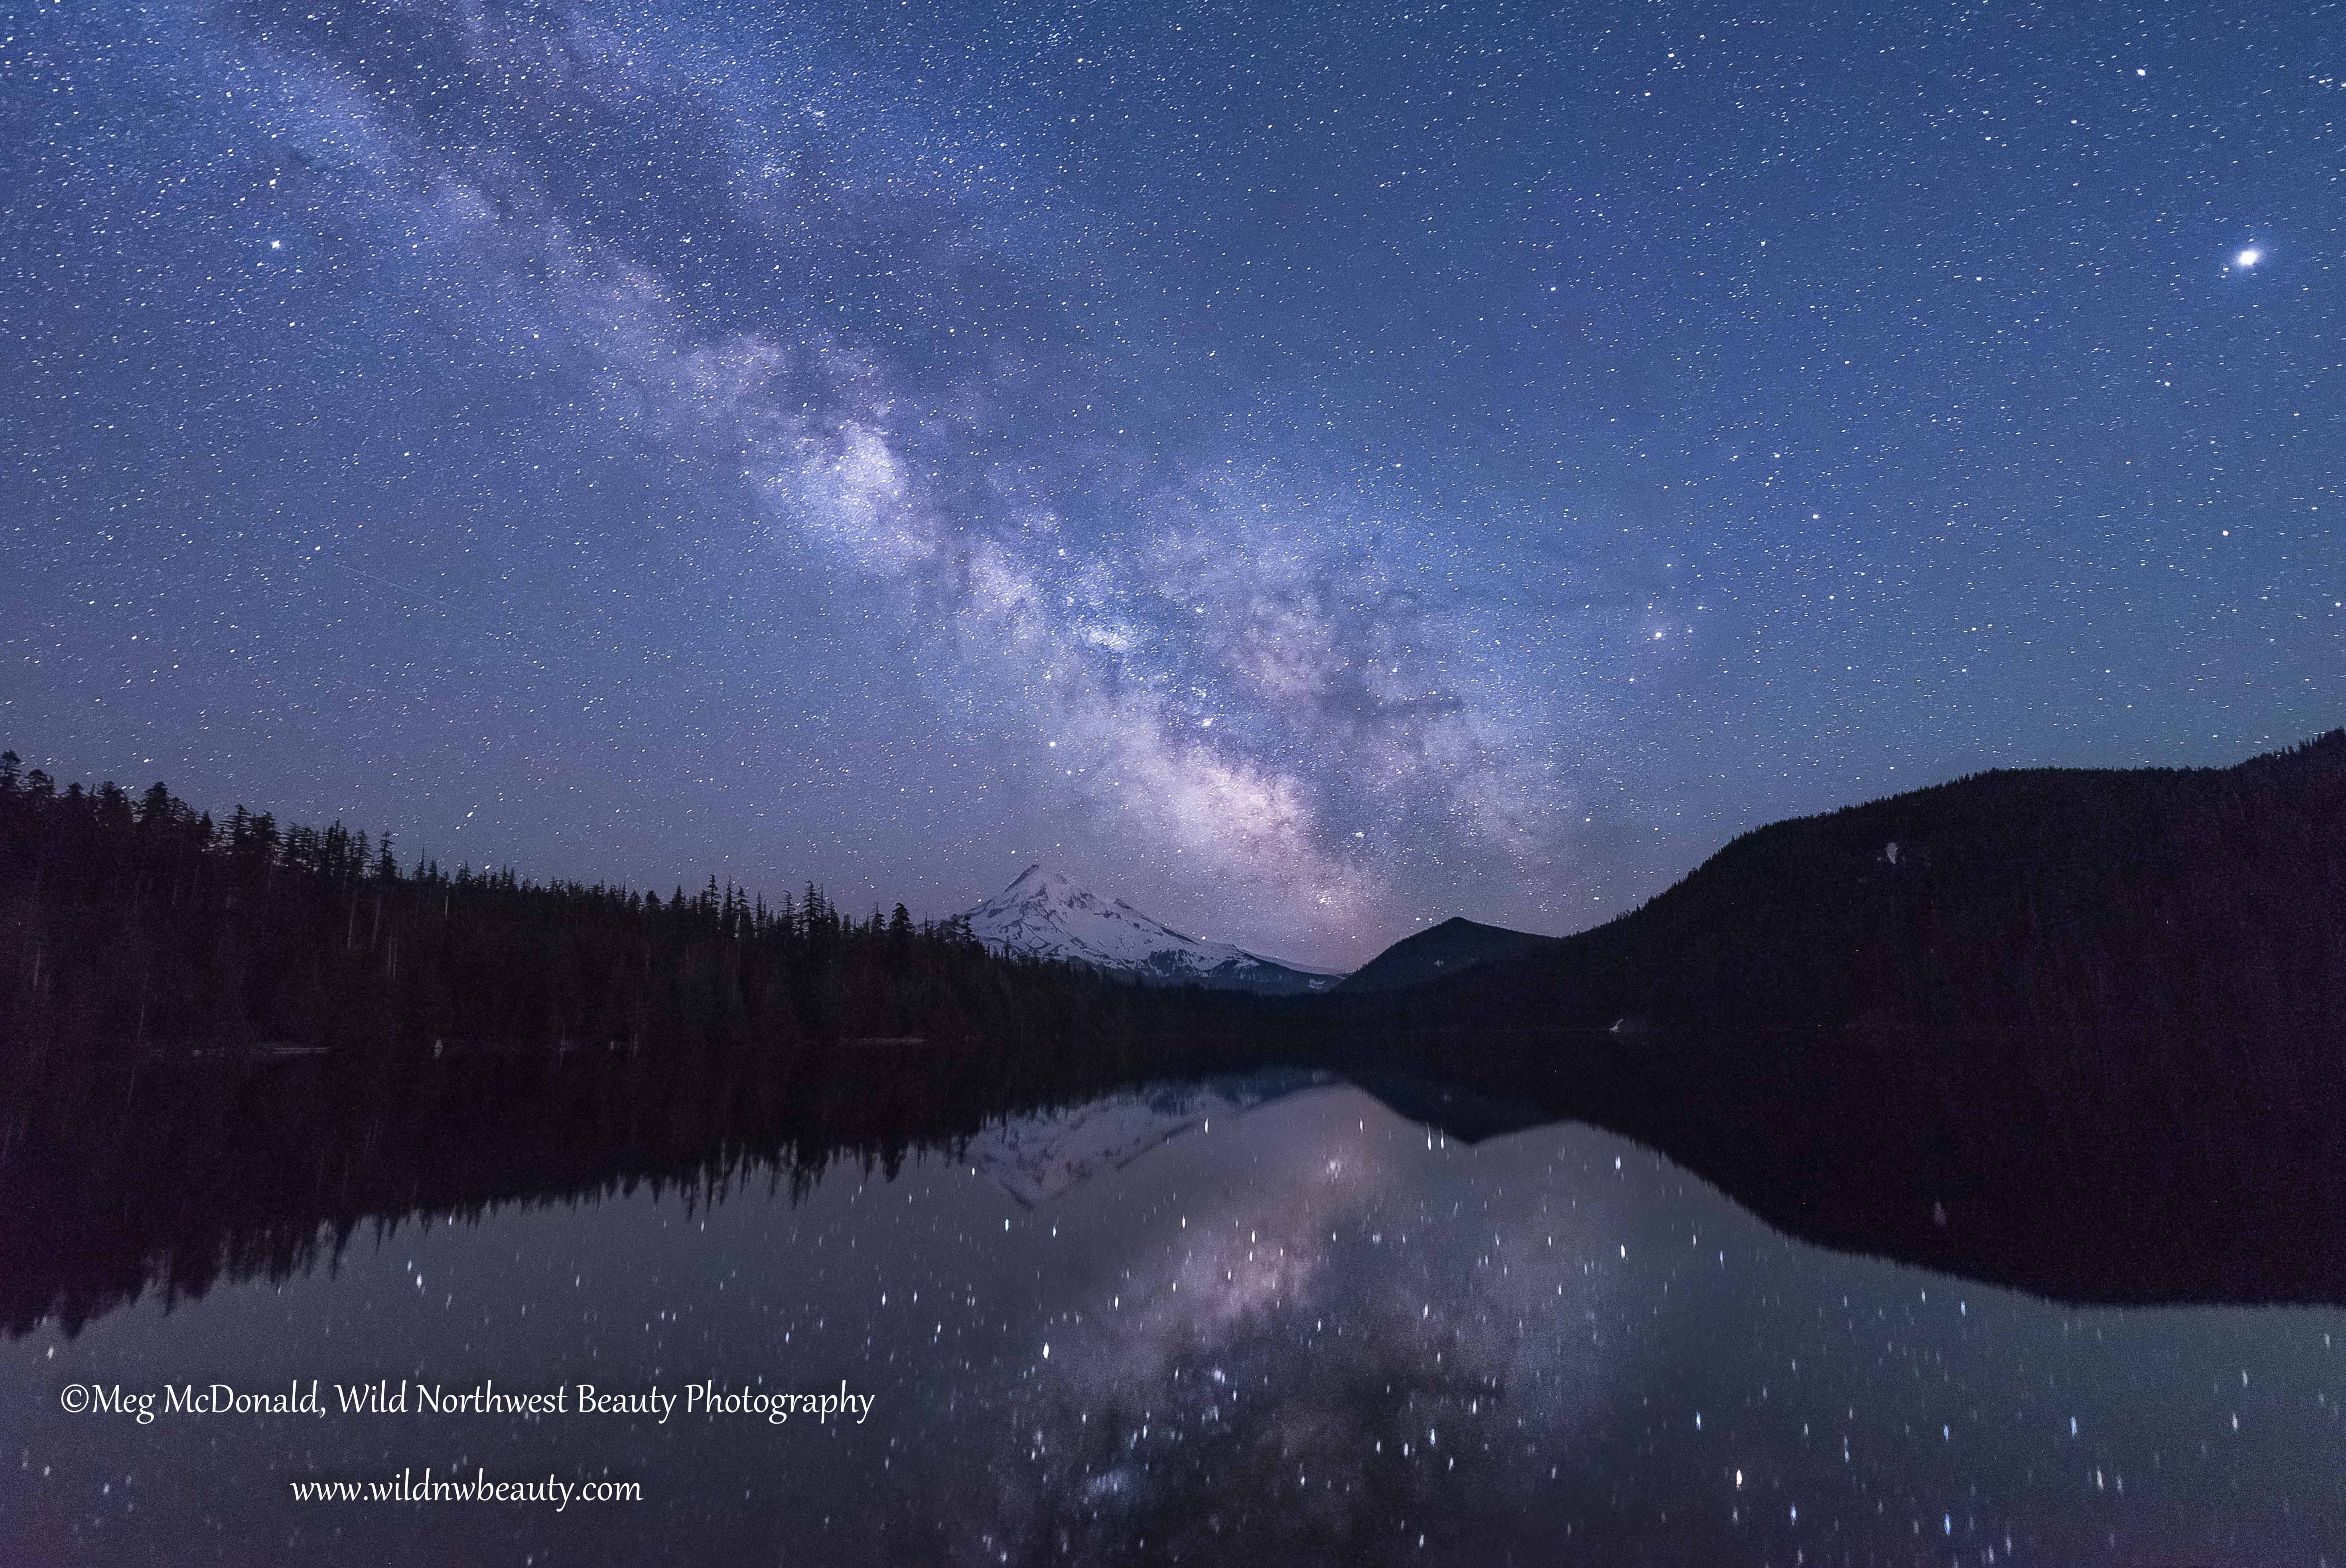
(2250, 258)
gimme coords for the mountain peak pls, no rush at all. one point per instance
(1045, 915)
(1041, 894)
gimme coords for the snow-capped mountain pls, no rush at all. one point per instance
(1045, 915)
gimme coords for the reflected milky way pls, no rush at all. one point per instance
(1306, 1332)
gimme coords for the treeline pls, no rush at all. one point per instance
(169, 1175)
(140, 925)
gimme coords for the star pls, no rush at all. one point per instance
(2248, 258)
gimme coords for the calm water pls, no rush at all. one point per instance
(1258, 1322)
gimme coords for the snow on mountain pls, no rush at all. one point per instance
(1036, 1158)
(1045, 915)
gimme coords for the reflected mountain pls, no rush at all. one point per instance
(1462, 1114)
(1041, 1156)
(174, 1176)
(2208, 1169)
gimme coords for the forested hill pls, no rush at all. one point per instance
(1457, 944)
(2134, 901)
(141, 925)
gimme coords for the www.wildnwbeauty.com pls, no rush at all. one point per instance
(408, 1487)
(386, 1397)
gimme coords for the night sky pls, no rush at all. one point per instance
(1307, 474)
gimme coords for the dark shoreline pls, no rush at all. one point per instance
(170, 1177)
(2080, 1033)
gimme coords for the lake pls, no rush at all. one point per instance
(1264, 1317)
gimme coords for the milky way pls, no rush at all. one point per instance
(1306, 474)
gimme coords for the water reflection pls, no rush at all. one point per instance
(1263, 1319)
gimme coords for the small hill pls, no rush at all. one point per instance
(1457, 944)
